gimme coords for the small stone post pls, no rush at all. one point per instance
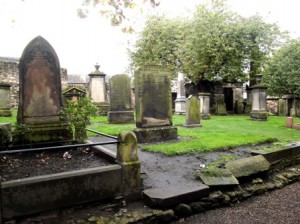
(289, 122)
(127, 157)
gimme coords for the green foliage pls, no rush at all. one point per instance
(215, 44)
(5, 135)
(282, 74)
(78, 114)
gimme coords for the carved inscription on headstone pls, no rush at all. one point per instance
(120, 95)
(40, 84)
(153, 96)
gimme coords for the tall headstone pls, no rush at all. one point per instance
(120, 110)
(153, 104)
(204, 105)
(5, 100)
(192, 116)
(181, 98)
(281, 107)
(40, 98)
(98, 90)
(259, 101)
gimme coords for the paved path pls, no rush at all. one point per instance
(275, 207)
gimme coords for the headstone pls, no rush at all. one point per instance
(5, 100)
(40, 103)
(259, 98)
(120, 110)
(98, 90)
(73, 94)
(181, 95)
(153, 104)
(204, 105)
(192, 116)
(220, 104)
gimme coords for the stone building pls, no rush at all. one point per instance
(9, 74)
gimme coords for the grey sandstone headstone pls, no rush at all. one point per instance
(259, 99)
(248, 166)
(153, 104)
(204, 105)
(40, 103)
(120, 110)
(5, 100)
(192, 112)
(220, 104)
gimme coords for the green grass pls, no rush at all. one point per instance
(221, 132)
(12, 119)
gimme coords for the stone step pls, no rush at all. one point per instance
(167, 197)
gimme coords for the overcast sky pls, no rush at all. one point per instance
(80, 43)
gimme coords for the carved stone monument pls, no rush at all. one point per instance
(5, 100)
(120, 110)
(181, 98)
(259, 101)
(153, 104)
(220, 104)
(40, 99)
(98, 90)
(204, 105)
(192, 116)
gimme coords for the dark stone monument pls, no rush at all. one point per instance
(153, 104)
(192, 116)
(5, 100)
(120, 110)
(40, 104)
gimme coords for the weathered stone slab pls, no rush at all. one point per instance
(192, 116)
(220, 177)
(248, 166)
(35, 194)
(181, 95)
(289, 152)
(166, 197)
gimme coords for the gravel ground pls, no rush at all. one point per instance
(275, 207)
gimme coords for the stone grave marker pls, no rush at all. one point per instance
(5, 100)
(181, 98)
(153, 104)
(120, 110)
(204, 105)
(40, 98)
(192, 116)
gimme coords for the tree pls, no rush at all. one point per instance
(160, 42)
(116, 10)
(282, 74)
(216, 44)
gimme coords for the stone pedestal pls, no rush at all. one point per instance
(5, 100)
(204, 105)
(98, 90)
(180, 104)
(289, 122)
(155, 134)
(259, 107)
(120, 117)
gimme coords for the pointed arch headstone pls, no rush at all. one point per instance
(40, 97)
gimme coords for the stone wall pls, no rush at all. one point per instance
(9, 74)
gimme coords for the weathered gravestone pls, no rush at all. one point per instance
(5, 100)
(181, 98)
(259, 99)
(40, 99)
(192, 116)
(220, 104)
(204, 105)
(153, 104)
(281, 107)
(98, 90)
(120, 110)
